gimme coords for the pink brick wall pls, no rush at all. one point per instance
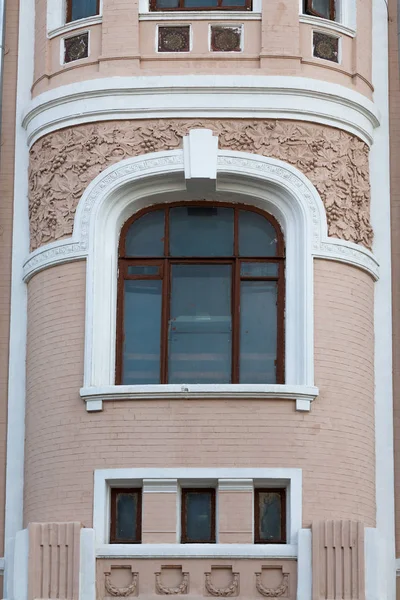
(334, 444)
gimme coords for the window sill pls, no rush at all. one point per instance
(327, 25)
(95, 396)
(73, 25)
(184, 551)
(201, 15)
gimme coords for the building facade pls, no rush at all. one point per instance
(199, 231)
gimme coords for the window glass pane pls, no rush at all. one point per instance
(257, 237)
(258, 331)
(143, 270)
(167, 3)
(83, 8)
(322, 7)
(270, 513)
(258, 269)
(142, 327)
(145, 236)
(201, 231)
(198, 517)
(200, 330)
(126, 516)
(200, 3)
(233, 3)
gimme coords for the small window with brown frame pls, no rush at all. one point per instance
(326, 9)
(126, 516)
(198, 516)
(270, 516)
(167, 5)
(82, 9)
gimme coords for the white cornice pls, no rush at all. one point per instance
(319, 23)
(200, 16)
(95, 396)
(201, 96)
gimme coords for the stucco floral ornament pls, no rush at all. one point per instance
(62, 164)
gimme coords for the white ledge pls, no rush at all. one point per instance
(325, 24)
(200, 15)
(73, 25)
(184, 551)
(301, 394)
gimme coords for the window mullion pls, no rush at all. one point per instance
(235, 320)
(164, 345)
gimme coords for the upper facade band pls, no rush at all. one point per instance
(329, 41)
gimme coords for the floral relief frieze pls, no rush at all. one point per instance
(62, 164)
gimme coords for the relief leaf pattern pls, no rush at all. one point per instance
(62, 164)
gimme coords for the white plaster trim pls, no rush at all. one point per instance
(104, 478)
(373, 564)
(184, 551)
(200, 15)
(21, 558)
(324, 25)
(87, 567)
(94, 397)
(75, 25)
(56, 15)
(346, 13)
(201, 96)
(160, 486)
(14, 484)
(235, 485)
(241, 177)
(381, 223)
(304, 565)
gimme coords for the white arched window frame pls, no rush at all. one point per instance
(346, 16)
(199, 171)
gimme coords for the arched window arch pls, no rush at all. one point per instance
(200, 296)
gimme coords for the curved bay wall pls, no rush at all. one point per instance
(274, 42)
(334, 444)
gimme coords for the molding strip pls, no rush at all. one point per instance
(200, 96)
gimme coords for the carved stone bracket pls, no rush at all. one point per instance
(277, 592)
(118, 592)
(230, 590)
(169, 591)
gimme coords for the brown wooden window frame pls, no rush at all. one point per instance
(184, 492)
(113, 515)
(181, 7)
(69, 11)
(282, 492)
(164, 275)
(308, 9)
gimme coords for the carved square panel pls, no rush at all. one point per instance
(226, 38)
(325, 46)
(76, 47)
(174, 39)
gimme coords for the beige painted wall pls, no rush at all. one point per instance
(6, 215)
(334, 444)
(275, 45)
(395, 208)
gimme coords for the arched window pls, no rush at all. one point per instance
(200, 296)
(321, 8)
(80, 9)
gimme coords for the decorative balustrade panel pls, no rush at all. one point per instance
(194, 578)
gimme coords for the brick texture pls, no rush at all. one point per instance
(334, 444)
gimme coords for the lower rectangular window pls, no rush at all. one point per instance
(270, 516)
(198, 516)
(126, 516)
